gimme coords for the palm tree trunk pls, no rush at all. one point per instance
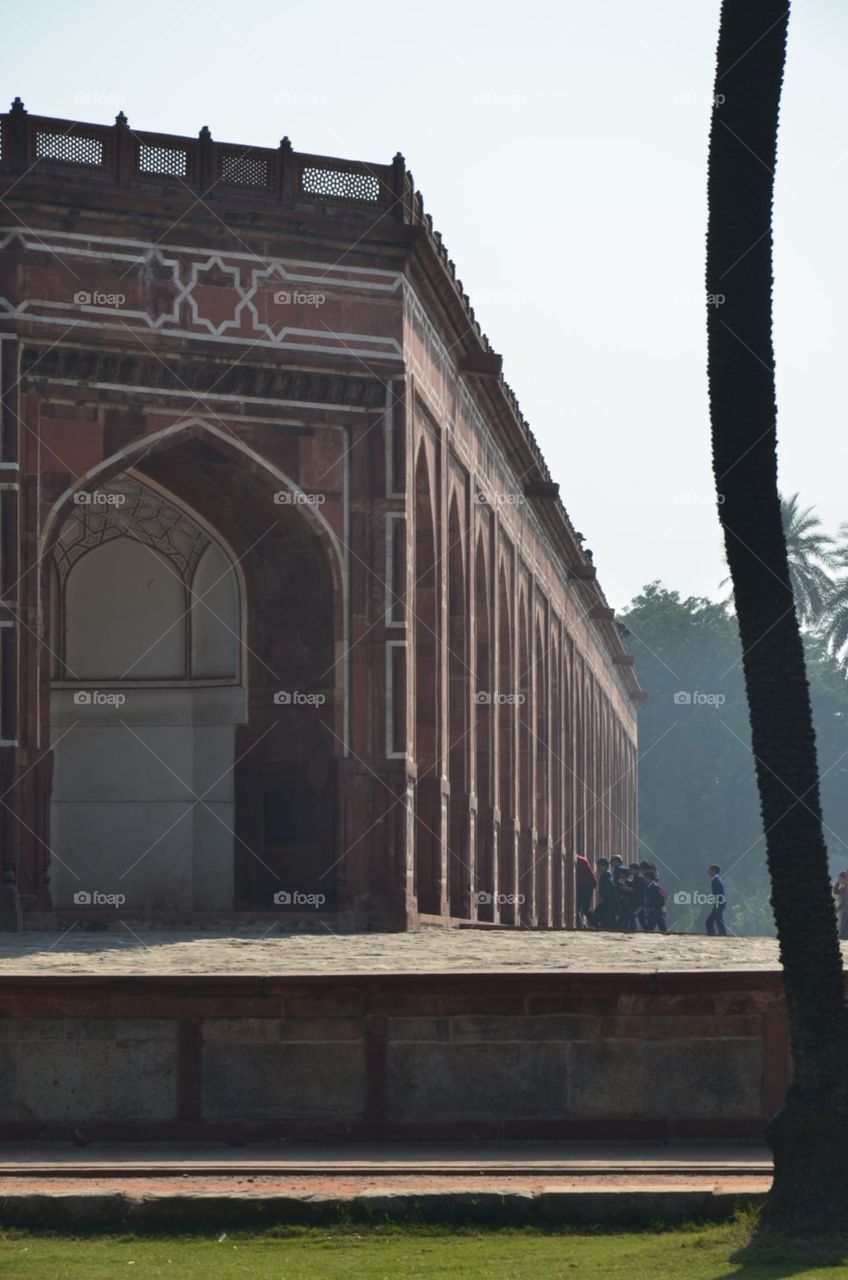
(809, 1137)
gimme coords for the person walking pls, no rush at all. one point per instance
(634, 917)
(605, 915)
(626, 900)
(654, 903)
(586, 884)
(715, 920)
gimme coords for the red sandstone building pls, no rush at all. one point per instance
(293, 620)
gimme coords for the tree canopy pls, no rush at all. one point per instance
(697, 788)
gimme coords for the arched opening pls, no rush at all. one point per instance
(507, 887)
(581, 837)
(541, 818)
(590, 785)
(201, 617)
(484, 689)
(428, 787)
(146, 693)
(457, 864)
(526, 876)
(557, 843)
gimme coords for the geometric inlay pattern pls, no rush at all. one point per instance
(143, 515)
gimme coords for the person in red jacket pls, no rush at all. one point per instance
(586, 885)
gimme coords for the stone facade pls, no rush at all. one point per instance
(292, 619)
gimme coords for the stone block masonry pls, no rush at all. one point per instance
(415, 1056)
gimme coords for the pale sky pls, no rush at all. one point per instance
(561, 148)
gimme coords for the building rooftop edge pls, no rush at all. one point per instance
(119, 156)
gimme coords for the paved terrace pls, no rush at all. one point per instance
(133, 950)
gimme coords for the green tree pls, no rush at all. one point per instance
(697, 787)
(812, 555)
(836, 630)
(809, 552)
(697, 792)
(809, 1137)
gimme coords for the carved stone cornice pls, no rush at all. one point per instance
(182, 373)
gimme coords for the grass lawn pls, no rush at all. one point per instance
(394, 1253)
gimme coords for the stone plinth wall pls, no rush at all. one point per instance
(405, 1056)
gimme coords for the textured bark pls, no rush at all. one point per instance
(810, 1135)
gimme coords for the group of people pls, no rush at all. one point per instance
(631, 898)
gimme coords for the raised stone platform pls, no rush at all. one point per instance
(132, 950)
(437, 1036)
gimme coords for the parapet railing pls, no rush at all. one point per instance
(120, 156)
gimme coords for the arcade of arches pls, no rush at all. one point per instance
(293, 624)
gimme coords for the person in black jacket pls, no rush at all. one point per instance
(654, 903)
(605, 915)
(634, 903)
(626, 900)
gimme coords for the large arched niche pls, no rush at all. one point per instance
(146, 692)
(275, 807)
